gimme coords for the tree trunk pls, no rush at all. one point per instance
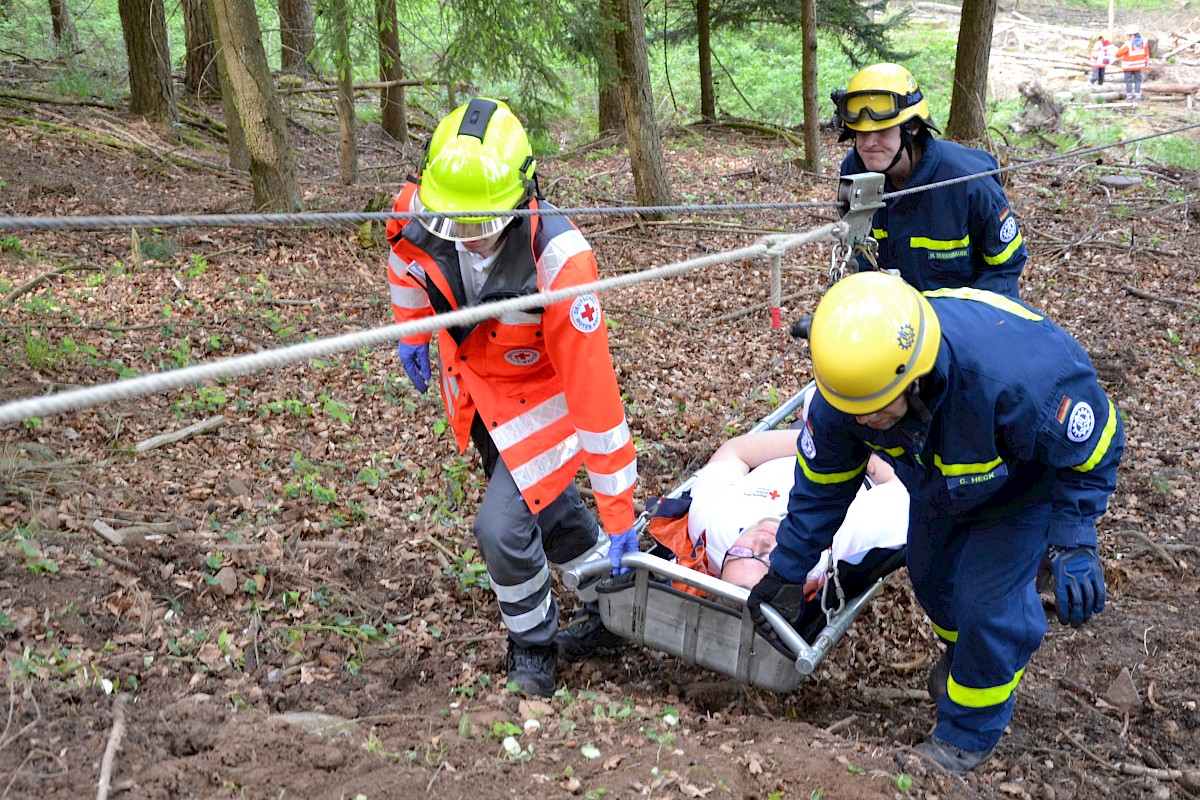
(339, 25)
(272, 167)
(296, 36)
(200, 63)
(239, 153)
(64, 26)
(708, 95)
(967, 123)
(641, 129)
(151, 94)
(808, 68)
(392, 107)
(610, 111)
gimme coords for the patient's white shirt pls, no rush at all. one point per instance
(725, 502)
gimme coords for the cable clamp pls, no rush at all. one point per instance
(859, 197)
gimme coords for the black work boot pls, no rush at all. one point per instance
(532, 668)
(939, 677)
(954, 759)
(585, 636)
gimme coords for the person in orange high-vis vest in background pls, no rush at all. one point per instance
(535, 390)
(1135, 57)
(1099, 59)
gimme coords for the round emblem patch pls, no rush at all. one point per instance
(807, 447)
(1008, 231)
(585, 313)
(522, 357)
(1082, 423)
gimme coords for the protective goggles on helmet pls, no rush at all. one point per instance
(876, 104)
(460, 229)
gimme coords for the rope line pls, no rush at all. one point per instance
(142, 385)
(9, 223)
(358, 217)
(1040, 162)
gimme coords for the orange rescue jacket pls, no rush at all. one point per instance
(1134, 57)
(542, 383)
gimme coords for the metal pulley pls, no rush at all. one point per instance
(859, 197)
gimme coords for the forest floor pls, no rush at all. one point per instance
(296, 609)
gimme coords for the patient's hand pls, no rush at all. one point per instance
(879, 470)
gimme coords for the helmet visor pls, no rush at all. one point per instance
(459, 229)
(877, 105)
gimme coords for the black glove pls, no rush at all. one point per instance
(785, 597)
(1078, 584)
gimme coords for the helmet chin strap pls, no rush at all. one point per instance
(906, 147)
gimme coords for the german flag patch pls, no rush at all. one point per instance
(1063, 408)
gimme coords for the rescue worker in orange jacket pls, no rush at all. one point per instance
(1135, 57)
(534, 390)
(1099, 59)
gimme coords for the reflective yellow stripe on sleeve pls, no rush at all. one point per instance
(982, 698)
(1006, 253)
(894, 452)
(1110, 428)
(829, 477)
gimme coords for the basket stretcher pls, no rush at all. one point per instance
(643, 607)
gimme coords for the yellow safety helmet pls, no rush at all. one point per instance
(478, 159)
(872, 336)
(881, 96)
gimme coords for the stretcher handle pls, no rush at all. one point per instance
(808, 656)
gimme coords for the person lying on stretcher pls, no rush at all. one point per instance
(725, 525)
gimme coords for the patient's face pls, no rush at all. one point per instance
(745, 571)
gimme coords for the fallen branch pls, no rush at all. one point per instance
(1129, 533)
(128, 566)
(45, 276)
(110, 751)
(767, 129)
(203, 426)
(360, 86)
(743, 312)
(1136, 292)
(59, 100)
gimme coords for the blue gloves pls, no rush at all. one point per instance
(619, 545)
(1078, 584)
(415, 358)
(785, 597)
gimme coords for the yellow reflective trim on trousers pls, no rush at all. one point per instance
(965, 469)
(878, 233)
(1106, 436)
(939, 244)
(894, 452)
(948, 635)
(991, 298)
(831, 477)
(1006, 253)
(982, 698)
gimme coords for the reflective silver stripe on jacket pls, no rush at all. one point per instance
(558, 251)
(408, 297)
(609, 441)
(538, 418)
(613, 483)
(535, 470)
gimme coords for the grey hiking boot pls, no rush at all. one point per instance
(939, 677)
(953, 759)
(532, 668)
(585, 636)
